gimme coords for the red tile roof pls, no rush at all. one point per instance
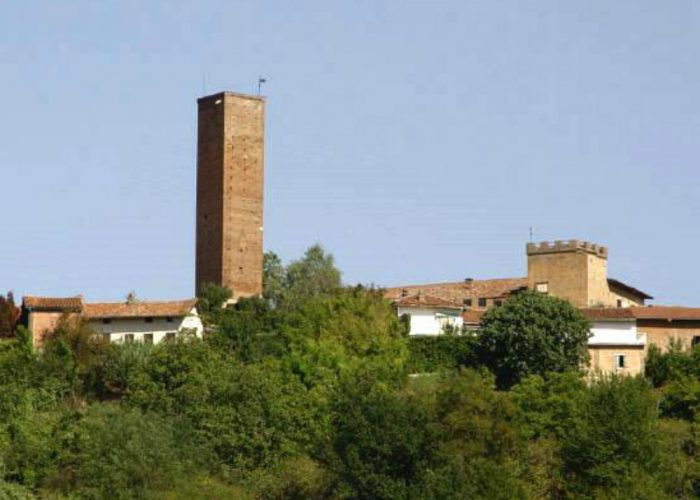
(175, 308)
(53, 303)
(423, 300)
(457, 292)
(675, 313)
(613, 283)
(472, 317)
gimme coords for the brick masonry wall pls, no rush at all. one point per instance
(230, 171)
(41, 323)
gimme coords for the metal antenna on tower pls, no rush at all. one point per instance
(261, 80)
(530, 234)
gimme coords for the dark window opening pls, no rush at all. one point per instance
(106, 321)
(147, 338)
(497, 302)
(695, 341)
(129, 338)
(619, 302)
(619, 360)
(169, 319)
(482, 302)
(170, 336)
(467, 302)
(148, 320)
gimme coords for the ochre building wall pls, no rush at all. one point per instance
(602, 359)
(566, 275)
(230, 169)
(662, 332)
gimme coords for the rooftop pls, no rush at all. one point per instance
(668, 313)
(176, 308)
(458, 291)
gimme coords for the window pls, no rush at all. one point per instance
(170, 336)
(444, 320)
(147, 338)
(619, 361)
(467, 302)
(497, 302)
(169, 319)
(619, 302)
(128, 338)
(106, 321)
(542, 287)
(695, 341)
(148, 320)
(482, 302)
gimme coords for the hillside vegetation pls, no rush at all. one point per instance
(316, 391)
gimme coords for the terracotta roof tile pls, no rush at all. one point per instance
(420, 299)
(53, 303)
(652, 312)
(472, 317)
(458, 291)
(174, 308)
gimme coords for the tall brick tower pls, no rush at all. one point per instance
(230, 161)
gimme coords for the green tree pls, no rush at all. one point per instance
(611, 442)
(383, 440)
(480, 441)
(312, 275)
(274, 277)
(77, 353)
(532, 333)
(211, 298)
(331, 334)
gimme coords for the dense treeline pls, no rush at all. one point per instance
(316, 391)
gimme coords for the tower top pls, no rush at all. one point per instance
(226, 93)
(562, 246)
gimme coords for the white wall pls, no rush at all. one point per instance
(616, 333)
(159, 327)
(429, 321)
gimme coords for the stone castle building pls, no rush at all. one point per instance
(230, 168)
(623, 326)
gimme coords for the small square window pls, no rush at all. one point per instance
(147, 338)
(148, 320)
(170, 336)
(169, 319)
(467, 302)
(695, 341)
(482, 302)
(129, 338)
(619, 302)
(619, 361)
(497, 303)
(107, 321)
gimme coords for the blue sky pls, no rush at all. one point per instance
(417, 141)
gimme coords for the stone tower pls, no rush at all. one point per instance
(573, 270)
(230, 160)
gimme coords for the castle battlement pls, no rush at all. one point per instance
(563, 246)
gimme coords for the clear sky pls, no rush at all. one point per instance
(417, 141)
